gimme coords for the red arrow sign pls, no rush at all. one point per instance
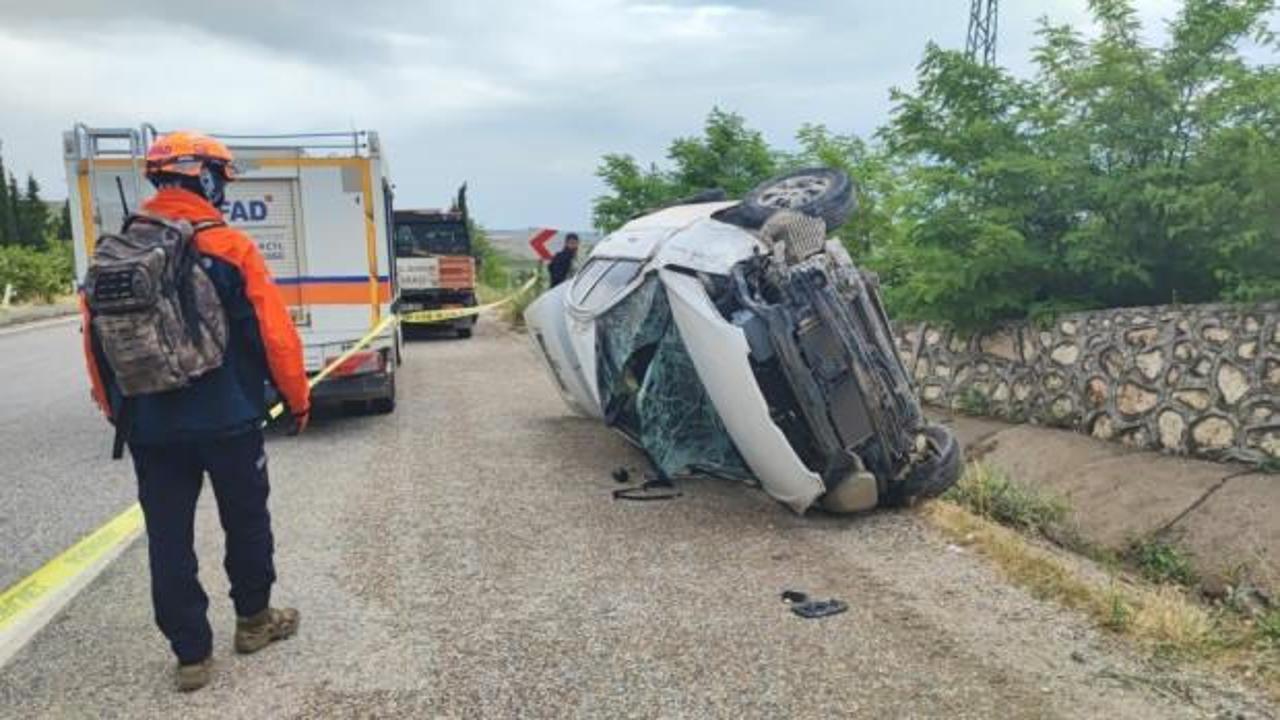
(539, 242)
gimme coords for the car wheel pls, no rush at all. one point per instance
(933, 475)
(464, 333)
(816, 192)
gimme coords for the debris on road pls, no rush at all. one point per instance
(809, 609)
(653, 488)
(621, 475)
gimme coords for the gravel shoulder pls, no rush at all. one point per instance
(463, 557)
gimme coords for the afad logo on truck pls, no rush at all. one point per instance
(245, 210)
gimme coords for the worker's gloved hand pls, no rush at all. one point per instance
(300, 421)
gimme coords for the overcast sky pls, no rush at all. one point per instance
(520, 98)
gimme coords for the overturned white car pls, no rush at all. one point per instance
(734, 339)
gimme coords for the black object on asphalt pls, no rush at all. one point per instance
(654, 488)
(621, 475)
(812, 609)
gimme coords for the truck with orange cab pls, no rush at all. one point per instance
(435, 268)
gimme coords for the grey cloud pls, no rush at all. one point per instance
(521, 98)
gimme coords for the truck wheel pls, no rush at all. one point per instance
(817, 192)
(932, 476)
(386, 405)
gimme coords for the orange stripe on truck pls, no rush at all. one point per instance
(333, 293)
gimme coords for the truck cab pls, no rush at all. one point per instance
(434, 265)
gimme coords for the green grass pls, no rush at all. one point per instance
(1160, 562)
(1144, 593)
(987, 493)
(1269, 627)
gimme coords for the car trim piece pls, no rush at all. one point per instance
(720, 354)
(549, 331)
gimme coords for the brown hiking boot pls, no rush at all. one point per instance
(194, 676)
(259, 631)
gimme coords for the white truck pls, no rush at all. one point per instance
(319, 207)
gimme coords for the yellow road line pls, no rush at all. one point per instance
(27, 605)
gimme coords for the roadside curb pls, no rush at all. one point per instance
(14, 319)
(28, 326)
(1226, 517)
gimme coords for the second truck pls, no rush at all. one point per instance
(434, 263)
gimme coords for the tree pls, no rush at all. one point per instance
(7, 233)
(634, 190)
(729, 156)
(62, 227)
(33, 216)
(13, 211)
(1112, 178)
(1119, 174)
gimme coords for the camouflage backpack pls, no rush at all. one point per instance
(155, 312)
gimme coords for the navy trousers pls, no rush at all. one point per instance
(169, 482)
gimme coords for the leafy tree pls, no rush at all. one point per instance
(1119, 174)
(1115, 177)
(729, 156)
(633, 191)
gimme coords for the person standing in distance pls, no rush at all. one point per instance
(561, 264)
(212, 424)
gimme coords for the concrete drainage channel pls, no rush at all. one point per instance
(1225, 517)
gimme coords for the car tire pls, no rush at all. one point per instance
(385, 405)
(817, 192)
(464, 333)
(933, 476)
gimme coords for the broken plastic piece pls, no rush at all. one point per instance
(813, 609)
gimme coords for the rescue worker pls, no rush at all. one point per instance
(562, 262)
(213, 425)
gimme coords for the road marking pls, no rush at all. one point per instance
(29, 605)
(39, 324)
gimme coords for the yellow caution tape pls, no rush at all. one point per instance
(420, 317)
(28, 595)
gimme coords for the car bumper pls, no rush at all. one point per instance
(370, 386)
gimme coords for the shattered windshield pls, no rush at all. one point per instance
(651, 391)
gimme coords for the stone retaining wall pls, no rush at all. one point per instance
(1201, 380)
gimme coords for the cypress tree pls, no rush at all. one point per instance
(5, 236)
(11, 212)
(35, 216)
(63, 227)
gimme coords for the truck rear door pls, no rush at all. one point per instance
(267, 209)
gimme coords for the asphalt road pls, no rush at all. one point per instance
(463, 558)
(57, 481)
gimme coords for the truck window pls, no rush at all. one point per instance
(422, 239)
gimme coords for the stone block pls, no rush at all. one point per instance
(1133, 399)
(1232, 383)
(1213, 432)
